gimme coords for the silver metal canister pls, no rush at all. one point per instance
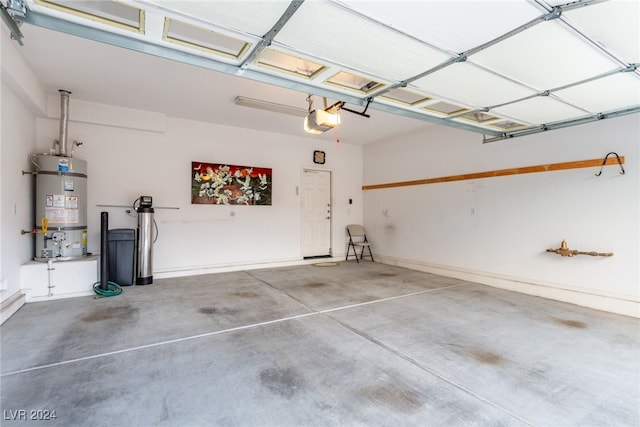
(144, 269)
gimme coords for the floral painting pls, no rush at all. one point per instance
(220, 184)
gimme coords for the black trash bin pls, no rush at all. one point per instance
(122, 244)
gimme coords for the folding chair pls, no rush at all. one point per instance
(357, 237)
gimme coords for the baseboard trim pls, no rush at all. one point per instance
(10, 305)
(618, 304)
(40, 298)
(210, 269)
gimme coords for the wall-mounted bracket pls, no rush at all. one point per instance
(604, 162)
(14, 7)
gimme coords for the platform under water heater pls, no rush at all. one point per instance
(60, 199)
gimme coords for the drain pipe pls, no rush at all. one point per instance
(104, 251)
(64, 121)
(50, 270)
(103, 287)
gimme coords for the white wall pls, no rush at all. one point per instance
(18, 134)
(22, 98)
(496, 230)
(124, 163)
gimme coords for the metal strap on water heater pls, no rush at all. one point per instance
(60, 173)
(76, 227)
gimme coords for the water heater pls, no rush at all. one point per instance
(61, 207)
(60, 198)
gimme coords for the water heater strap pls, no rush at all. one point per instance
(79, 175)
(77, 227)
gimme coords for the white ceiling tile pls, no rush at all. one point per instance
(614, 24)
(330, 32)
(456, 26)
(540, 110)
(609, 93)
(253, 17)
(472, 85)
(545, 56)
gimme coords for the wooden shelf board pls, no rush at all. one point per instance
(501, 172)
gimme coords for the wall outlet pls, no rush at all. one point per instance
(4, 284)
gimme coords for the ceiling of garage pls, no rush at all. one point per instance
(499, 68)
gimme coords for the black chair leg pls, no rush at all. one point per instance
(355, 253)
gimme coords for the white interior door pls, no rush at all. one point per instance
(316, 213)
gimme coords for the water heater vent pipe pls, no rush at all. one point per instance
(64, 121)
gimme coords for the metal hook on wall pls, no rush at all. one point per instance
(605, 161)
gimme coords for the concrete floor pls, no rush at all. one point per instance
(353, 345)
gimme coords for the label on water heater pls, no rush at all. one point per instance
(58, 201)
(63, 165)
(72, 202)
(62, 216)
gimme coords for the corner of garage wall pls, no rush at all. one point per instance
(10, 305)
